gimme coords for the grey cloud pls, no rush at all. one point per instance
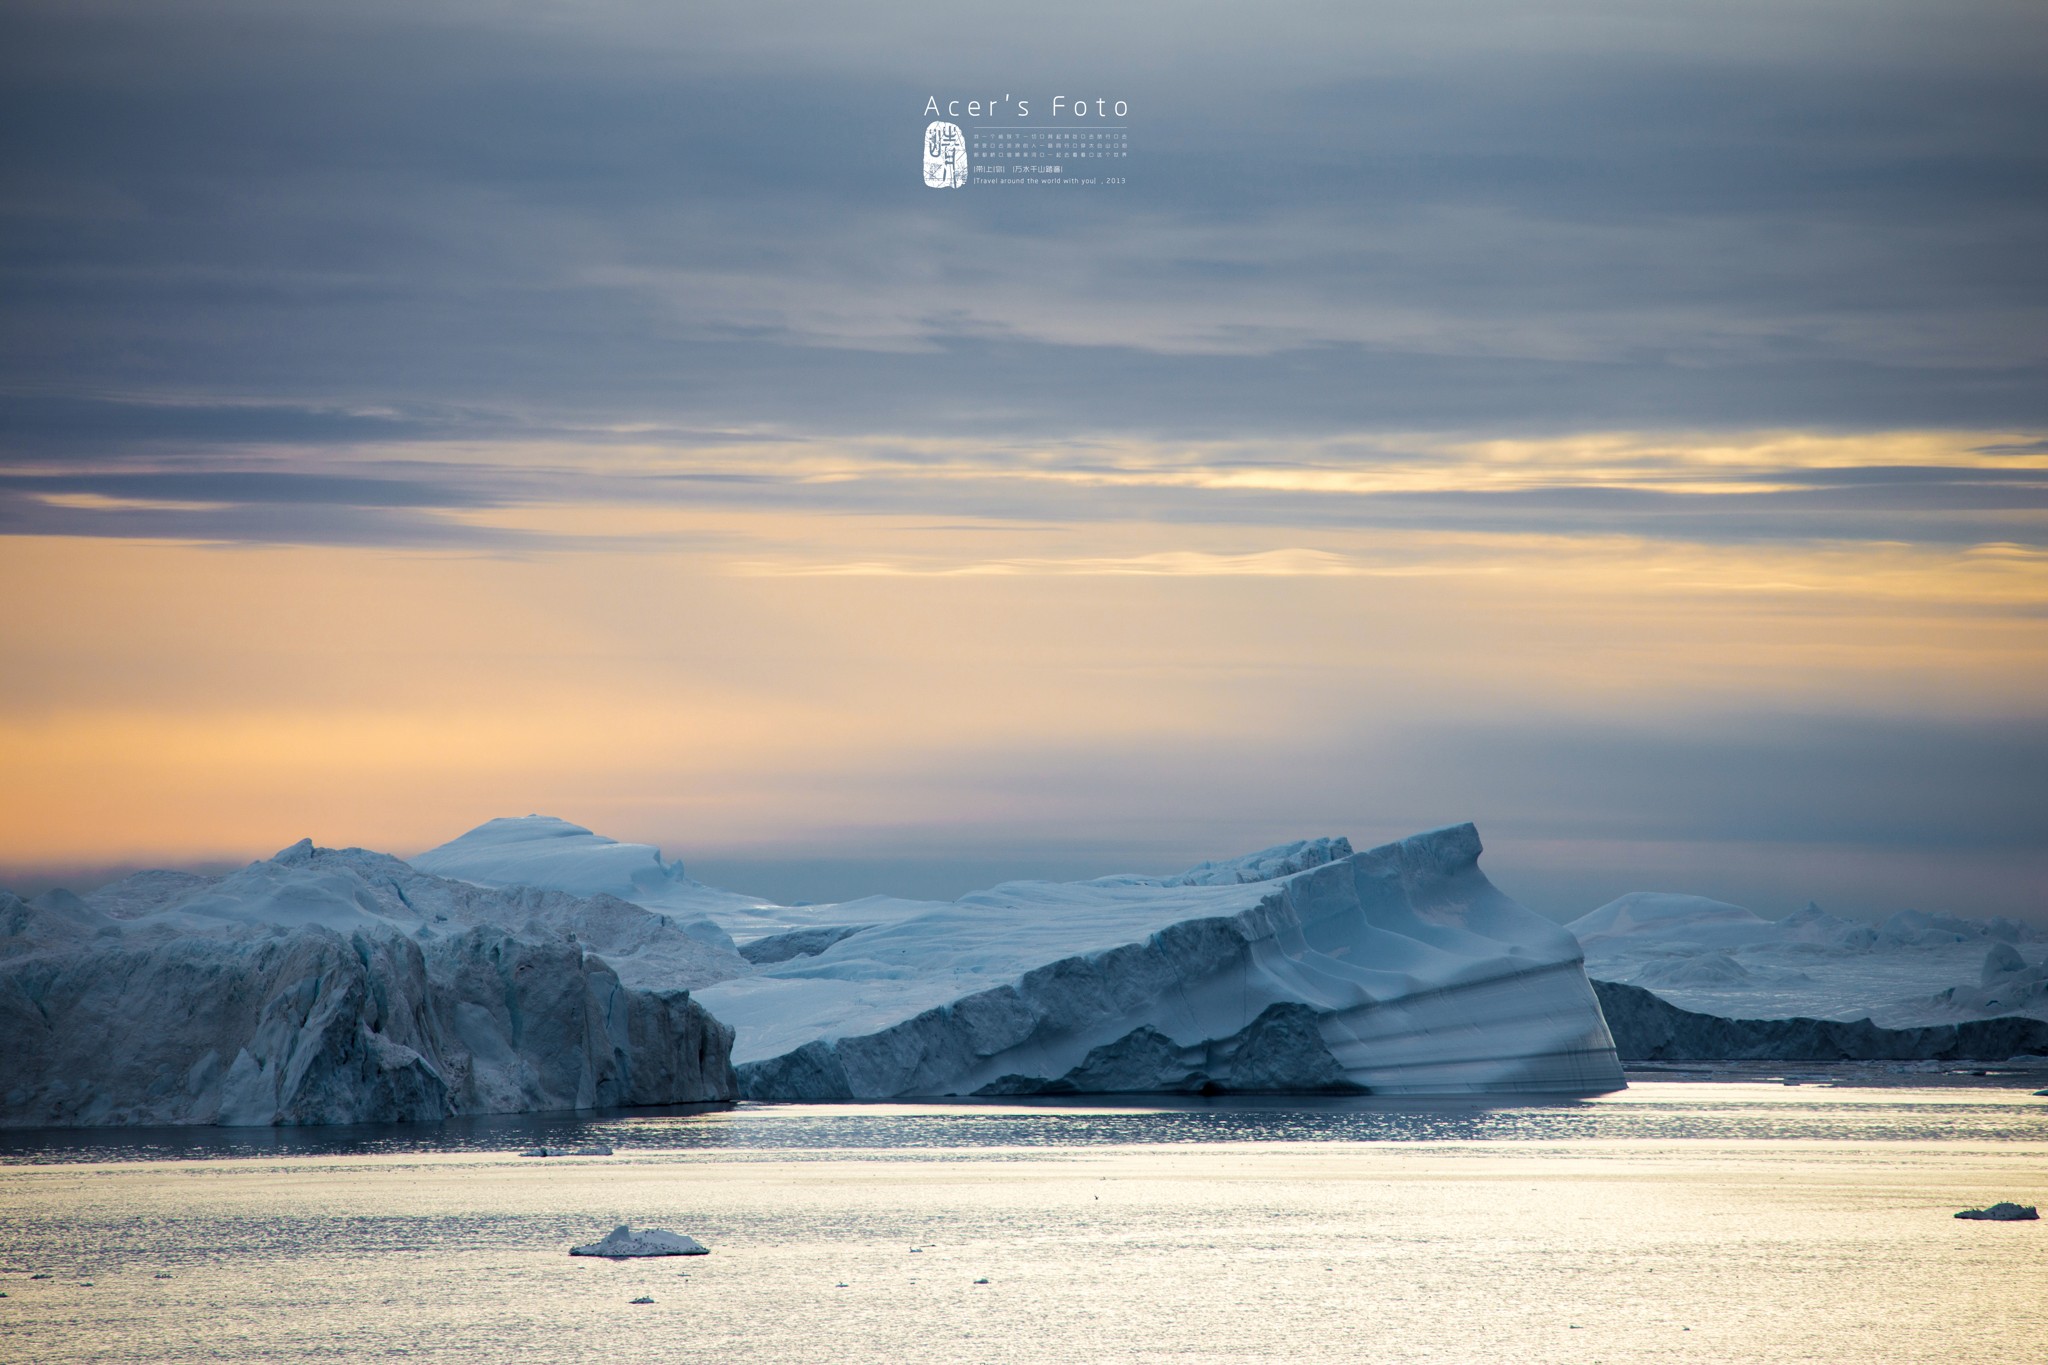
(253, 486)
(261, 523)
(654, 218)
(1872, 814)
(1897, 782)
(384, 502)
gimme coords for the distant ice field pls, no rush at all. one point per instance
(1910, 970)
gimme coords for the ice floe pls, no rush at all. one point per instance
(622, 1242)
(2002, 1213)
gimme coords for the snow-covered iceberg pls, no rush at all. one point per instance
(552, 854)
(622, 1242)
(546, 852)
(342, 986)
(555, 968)
(1401, 970)
(1912, 970)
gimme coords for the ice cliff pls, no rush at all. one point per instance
(1648, 1028)
(1308, 967)
(1303, 967)
(552, 967)
(342, 986)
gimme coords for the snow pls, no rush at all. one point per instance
(344, 985)
(1416, 974)
(1280, 861)
(1911, 970)
(355, 890)
(622, 1242)
(1413, 972)
(543, 851)
(338, 986)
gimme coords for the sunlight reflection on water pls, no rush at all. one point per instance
(1711, 1223)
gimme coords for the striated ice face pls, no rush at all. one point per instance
(327, 985)
(1399, 970)
(344, 986)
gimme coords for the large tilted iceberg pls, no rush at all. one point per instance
(343, 986)
(1401, 970)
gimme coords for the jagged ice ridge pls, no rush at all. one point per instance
(343, 986)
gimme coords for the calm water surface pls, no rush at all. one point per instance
(1712, 1223)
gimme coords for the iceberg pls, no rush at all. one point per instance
(596, 1149)
(622, 1242)
(552, 854)
(342, 986)
(2004, 1212)
(1912, 970)
(1308, 967)
(543, 851)
(533, 964)
(1302, 967)
(1648, 1028)
(355, 890)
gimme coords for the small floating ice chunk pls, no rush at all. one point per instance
(594, 1149)
(623, 1242)
(2003, 1212)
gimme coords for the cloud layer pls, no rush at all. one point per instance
(1623, 425)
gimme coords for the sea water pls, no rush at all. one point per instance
(1695, 1222)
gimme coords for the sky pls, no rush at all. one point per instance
(1623, 425)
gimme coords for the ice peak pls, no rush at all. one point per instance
(516, 829)
(1281, 860)
(548, 851)
(1665, 914)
